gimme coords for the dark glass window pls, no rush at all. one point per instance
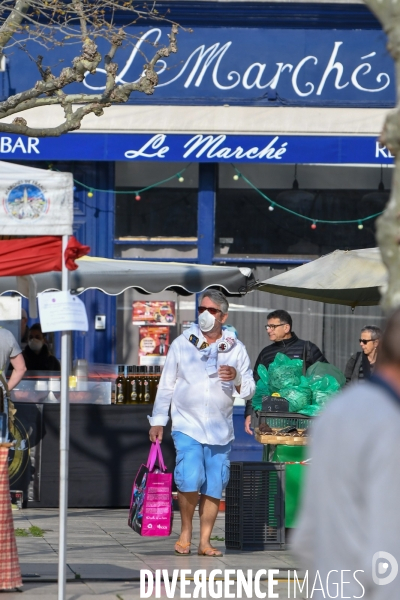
(161, 212)
(244, 215)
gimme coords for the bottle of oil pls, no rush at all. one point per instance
(152, 384)
(157, 376)
(120, 386)
(131, 386)
(140, 385)
(146, 386)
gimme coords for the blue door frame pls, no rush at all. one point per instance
(208, 173)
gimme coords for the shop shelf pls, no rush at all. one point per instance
(255, 506)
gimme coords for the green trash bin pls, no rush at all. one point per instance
(293, 479)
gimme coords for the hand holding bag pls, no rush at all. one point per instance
(150, 511)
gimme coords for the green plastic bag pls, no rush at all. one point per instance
(284, 372)
(319, 370)
(323, 389)
(311, 410)
(298, 396)
(262, 388)
(263, 374)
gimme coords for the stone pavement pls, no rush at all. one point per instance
(105, 557)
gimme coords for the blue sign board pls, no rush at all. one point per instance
(244, 66)
(160, 147)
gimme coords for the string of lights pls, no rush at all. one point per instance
(238, 175)
(272, 205)
(137, 192)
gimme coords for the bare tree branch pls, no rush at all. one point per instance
(13, 22)
(84, 20)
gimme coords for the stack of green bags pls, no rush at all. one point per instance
(306, 394)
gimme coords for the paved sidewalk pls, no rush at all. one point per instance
(105, 556)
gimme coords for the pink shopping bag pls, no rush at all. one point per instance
(151, 511)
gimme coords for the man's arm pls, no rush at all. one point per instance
(19, 368)
(160, 417)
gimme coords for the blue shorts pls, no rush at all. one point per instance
(199, 467)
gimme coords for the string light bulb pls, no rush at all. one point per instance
(236, 177)
(314, 225)
(271, 207)
(137, 197)
(90, 194)
(360, 225)
(181, 179)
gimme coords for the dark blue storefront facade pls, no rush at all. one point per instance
(240, 54)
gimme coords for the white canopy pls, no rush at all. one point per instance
(352, 278)
(115, 276)
(35, 201)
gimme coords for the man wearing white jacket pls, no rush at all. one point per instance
(206, 368)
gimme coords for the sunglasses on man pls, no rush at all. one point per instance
(212, 311)
(365, 341)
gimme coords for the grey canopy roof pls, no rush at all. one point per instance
(115, 276)
(352, 278)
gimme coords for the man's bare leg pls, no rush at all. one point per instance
(208, 511)
(187, 506)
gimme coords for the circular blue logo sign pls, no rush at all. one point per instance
(26, 202)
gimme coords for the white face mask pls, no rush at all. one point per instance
(206, 321)
(35, 345)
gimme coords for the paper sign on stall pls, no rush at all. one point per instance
(61, 311)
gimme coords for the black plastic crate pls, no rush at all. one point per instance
(255, 506)
(280, 420)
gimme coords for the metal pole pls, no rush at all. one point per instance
(64, 442)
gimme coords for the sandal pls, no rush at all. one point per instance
(215, 553)
(184, 546)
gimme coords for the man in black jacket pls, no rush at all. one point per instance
(279, 329)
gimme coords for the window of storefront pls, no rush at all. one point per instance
(246, 225)
(163, 223)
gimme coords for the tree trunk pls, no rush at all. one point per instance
(388, 224)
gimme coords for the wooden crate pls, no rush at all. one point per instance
(276, 440)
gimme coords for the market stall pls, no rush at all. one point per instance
(287, 397)
(350, 278)
(40, 202)
(92, 388)
(37, 203)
